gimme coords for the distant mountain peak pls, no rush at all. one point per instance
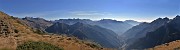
(166, 18)
(37, 18)
(76, 19)
(177, 17)
(160, 20)
(109, 20)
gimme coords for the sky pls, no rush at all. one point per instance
(139, 10)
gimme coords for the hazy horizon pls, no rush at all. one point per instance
(138, 10)
(97, 19)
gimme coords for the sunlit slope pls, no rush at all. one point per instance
(174, 45)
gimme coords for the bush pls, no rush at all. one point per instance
(177, 48)
(92, 45)
(39, 31)
(16, 31)
(37, 46)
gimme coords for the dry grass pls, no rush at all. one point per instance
(174, 45)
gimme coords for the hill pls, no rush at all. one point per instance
(174, 45)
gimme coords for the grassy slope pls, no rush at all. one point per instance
(175, 45)
(37, 46)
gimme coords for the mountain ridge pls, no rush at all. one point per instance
(117, 26)
(105, 37)
(164, 34)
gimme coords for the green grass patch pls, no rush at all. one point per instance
(37, 46)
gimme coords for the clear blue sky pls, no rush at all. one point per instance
(140, 10)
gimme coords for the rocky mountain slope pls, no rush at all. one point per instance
(13, 32)
(118, 27)
(164, 34)
(104, 37)
(142, 29)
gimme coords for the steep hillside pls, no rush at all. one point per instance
(118, 27)
(174, 45)
(13, 33)
(166, 33)
(105, 37)
(142, 29)
(135, 30)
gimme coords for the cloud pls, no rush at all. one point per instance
(90, 13)
(94, 15)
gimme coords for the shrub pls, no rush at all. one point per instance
(69, 39)
(177, 48)
(37, 46)
(39, 31)
(92, 45)
(16, 31)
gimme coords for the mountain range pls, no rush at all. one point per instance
(118, 27)
(105, 37)
(142, 29)
(166, 33)
(105, 30)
